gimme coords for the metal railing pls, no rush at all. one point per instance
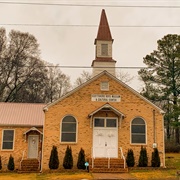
(39, 159)
(108, 156)
(22, 158)
(123, 157)
(93, 157)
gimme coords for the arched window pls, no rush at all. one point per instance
(68, 129)
(138, 131)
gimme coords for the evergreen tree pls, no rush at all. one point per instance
(143, 159)
(81, 160)
(0, 163)
(162, 80)
(11, 163)
(68, 159)
(54, 160)
(155, 161)
(130, 158)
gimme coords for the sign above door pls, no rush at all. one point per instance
(105, 98)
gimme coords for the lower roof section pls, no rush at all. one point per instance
(21, 114)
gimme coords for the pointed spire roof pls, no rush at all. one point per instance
(104, 32)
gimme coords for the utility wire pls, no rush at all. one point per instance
(86, 67)
(86, 5)
(90, 26)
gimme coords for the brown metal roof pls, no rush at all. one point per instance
(104, 32)
(21, 114)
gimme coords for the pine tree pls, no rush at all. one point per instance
(143, 159)
(130, 158)
(54, 160)
(68, 159)
(11, 163)
(155, 161)
(81, 160)
(0, 163)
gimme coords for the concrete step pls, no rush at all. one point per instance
(107, 165)
(29, 165)
(110, 170)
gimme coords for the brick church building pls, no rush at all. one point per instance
(104, 116)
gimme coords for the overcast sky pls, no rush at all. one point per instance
(66, 33)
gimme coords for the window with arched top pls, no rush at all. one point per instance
(138, 131)
(68, 129)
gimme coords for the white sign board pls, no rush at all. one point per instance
(105, 98)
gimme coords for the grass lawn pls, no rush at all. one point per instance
(44, 176)
(172, 164)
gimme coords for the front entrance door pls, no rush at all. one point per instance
(33, 142)
(105, 137)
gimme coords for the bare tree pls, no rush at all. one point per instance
(19, 60)
(24, 77)
(58, 83)
(124, 76)
(85, 76)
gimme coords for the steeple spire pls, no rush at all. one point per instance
(103, 57)
(104, 32)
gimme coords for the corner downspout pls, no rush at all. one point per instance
(154, 126)
(42, 154)
(164, 164)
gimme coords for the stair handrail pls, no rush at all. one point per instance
(93, 157)
(39, 159)
(123, 157)
(22, 159)
(108, 158)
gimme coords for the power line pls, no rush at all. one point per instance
(86, 67)
(90, 26)
(87, 5)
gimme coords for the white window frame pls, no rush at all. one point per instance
(68, 142)
(105, 122)
(131, 132)
(6, 141)
(104, 86)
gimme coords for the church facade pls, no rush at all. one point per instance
(103, 116)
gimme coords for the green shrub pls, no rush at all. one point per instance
(11, 163)
(68, 159)
(81, 160)
(54, 160)
(130, 158)
(143, 159)
(155, 161)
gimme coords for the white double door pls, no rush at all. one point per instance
(105, 138)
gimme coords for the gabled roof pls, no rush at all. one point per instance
(96, 77)
(21, 114)
(107, 107)
(33, 129)
(104, 32)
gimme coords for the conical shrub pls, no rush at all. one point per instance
(68, 159)
(81, 160)
(155, 161)
(11, 163)
(130, 158)
(54, 160)
(143, 159)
